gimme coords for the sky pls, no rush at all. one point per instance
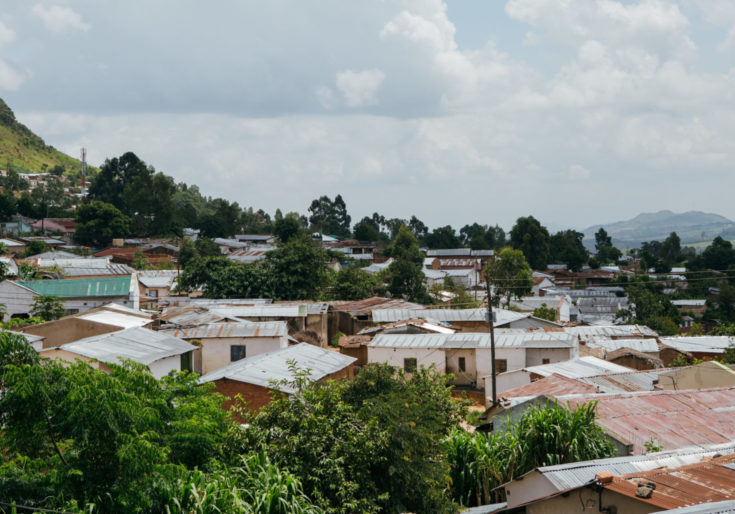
(578, 112)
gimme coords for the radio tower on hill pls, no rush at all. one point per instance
(84, 172)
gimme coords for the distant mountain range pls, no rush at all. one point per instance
(691, 227)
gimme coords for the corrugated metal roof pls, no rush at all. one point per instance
(369, 305)
(117, 319)
(158, 278)
(576, 368)
(485, 509)
(223, 330)
(576, 474)
(10, 243)
(260, 311)
(208, 302)
(723, 507)
(449, 252)
(110, 269)
(689, 303)
(641, 345)
(31, 338)
(138, 344)
(553, 385)
(537, 339)
(692, 484)
(274, 366)
(704, 344)
(617, 331)
(449, 315)
(80, 287)
(673, 418)
(188, 316)
(625, 382)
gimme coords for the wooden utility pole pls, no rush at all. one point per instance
(491, 322)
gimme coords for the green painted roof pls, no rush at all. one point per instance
(80, 287)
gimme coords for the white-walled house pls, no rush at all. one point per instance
(162, 353)
(468, 355)
(220, 344)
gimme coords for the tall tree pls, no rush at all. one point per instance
(330, 217)
(298, 269)
(442, 237)
(405, 272)
(671, 249)
(606, 252)
(566, 247)
(532, 238)
(98, 223)
(509, 275)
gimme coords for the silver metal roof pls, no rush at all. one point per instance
(138, 344)
(704, 344)
(31, 338)
(265, 368)
(116, 318)
(223, 330)
(610, 345)
(576, 474)
(450, 315)
(689, 303)
(536, 339)
(451, 252)
(260, 311)
(110, 269)
(158, 278)
(576, 368)
(629, 331)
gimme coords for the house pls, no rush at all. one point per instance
(256, 378)
(468, 355)
(671, 419)
(541, 282)
(51, 242)
(101, 320)
(16, 227)
(351, 317)
(564, 310)
(256, 239)
(697, 307)
(700, 347)
(220, 344)
(571, 368)
(227, 245)
(78, 295)
(586, 333)
(162, 353)
(249, 255)
(600, 308)
(465, 320)
(543, 485)
(706, 374)
(156, 284)
(13, 247)
(64, 226)
(78, 267)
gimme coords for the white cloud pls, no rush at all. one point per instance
(577, 172)
(60, 19)
(10, 78)
(360, 87)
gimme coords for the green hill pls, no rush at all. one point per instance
(25, 152)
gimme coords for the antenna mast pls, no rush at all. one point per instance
(84, 172)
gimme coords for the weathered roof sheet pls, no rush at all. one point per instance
(81, 287)
(693, 484)
(138, 344)
(31, 338)
(369, 305)
(419, 324)
(189, 315)
(158, 278)
(577, 368)
(116, 318)
(536, 339)
(689, 303)
(674, 418)
(274, 366)
(617, 331)
(553, 384)
(723, 507)
(224, 330)
(703, 344)
(610, 345)
(449, 315)
(260, 311)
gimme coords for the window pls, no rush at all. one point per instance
(545, 361)
(186, 361)
(461, 364)
(501, 366)
(409, 365)
(237, 352)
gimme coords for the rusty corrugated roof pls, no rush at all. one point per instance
(367, 305)
(705, 482)
(238, 330)
(554, 385)
(674, 419)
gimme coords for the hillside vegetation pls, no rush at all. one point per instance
(25, 152)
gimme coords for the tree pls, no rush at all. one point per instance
(353, 283)
(606, 252)
(367, 230)
(719, 255)
(35, 247)
(98, 223)
(369, 445)
(442, 237)
(330, 217)
(286, 228)
(671, 249)
(545, 312)
(47, 307)
(509, 275)
(406, 276)
(418, 228)
(529, 236)
(482, 237)
(566, 247)
(297, 269)
(219, 277)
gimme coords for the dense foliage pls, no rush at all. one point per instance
(509, 275)
(543, 436)
(406, 276)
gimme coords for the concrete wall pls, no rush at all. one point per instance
(515, 358)
(67, 330)
(164, 366)
(158, 368)
(394, 356)
(68, 358)
(17, 299)
(536, 356)
(214, 353)
(469, 375)
(705, 375)
(79, 305)
(587, 500)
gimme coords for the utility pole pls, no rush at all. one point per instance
(491, 322)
